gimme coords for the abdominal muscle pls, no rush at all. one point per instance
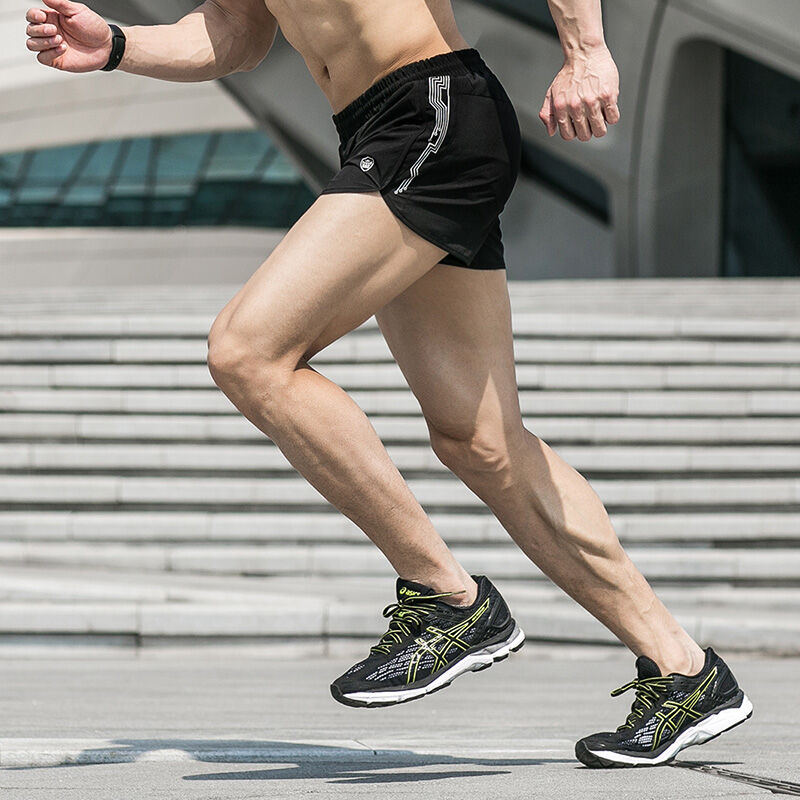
(350, 44)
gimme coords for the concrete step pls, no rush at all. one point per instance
(150, 623)
(368, 345)
(388, 376)
(658, 563)
(556, 430)
(733, 403)
(71, 490)
(615, 324)
(734, 299)
(76, 583)
(108, 419)
(744, 529)
(263, 457)
(312, 609)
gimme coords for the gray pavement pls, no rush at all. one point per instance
(236, 723)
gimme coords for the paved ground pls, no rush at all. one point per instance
(215, 724)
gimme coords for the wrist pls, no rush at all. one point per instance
(105, 51)
(584, 48)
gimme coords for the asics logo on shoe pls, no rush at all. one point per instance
(409, 592)
(443, 642)
(675, 713)
(367, 163)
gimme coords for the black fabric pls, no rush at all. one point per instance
(647, 668)
(404, 588)
(439, 139)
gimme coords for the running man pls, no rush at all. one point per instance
(408, 231)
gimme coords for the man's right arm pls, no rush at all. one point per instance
(216, 39)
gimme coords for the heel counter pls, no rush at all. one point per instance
(726, 685)
(499, 612)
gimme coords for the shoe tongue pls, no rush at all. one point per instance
(406, 589)
(647, 668)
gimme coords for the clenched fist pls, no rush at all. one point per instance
(68, 36)
(582, 100)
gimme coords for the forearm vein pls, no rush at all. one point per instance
(579, 23)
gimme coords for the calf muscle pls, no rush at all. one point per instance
(320, 282)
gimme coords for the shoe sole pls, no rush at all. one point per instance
(472, 662)
(704, 731)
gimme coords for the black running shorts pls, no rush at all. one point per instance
(440, 141)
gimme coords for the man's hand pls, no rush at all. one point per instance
(68, 36)
(582, 100)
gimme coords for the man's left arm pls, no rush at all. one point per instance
(582, 100)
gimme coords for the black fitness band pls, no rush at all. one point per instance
(117, 48)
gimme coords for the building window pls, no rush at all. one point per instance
(761, 231)
(531, 12)
(200, 179)
(567, 180)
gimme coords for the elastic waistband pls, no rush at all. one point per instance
(354, 115)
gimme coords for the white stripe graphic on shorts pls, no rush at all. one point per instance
(439, 98)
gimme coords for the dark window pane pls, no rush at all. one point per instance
(531, 12)
(178, 163)
(212, 179)
(133, 173)
(75, 216)
(56, 164)
(98, 166)
(48, 173)
(571, 182)
(125, 211)
(84, 194)
(279, 170)
(762, 173)
(237, 155)
(10, 164)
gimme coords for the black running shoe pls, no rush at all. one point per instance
(429, 643)
(670, 712)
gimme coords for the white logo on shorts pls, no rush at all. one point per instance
(367, 163)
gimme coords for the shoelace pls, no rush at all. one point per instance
(648, 692)
(406, 616)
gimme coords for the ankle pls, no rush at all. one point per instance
(465, 596)
(686, 660)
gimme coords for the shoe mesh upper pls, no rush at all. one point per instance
(446, 633)
(683, 701)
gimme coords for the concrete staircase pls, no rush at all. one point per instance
(137, 506)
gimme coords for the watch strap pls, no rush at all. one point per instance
(117, 48)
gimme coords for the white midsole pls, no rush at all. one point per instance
(701, 732)
(469, 663)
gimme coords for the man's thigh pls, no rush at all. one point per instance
(345, 258)
(450, 333)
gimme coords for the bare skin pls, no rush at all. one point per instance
(448, 327)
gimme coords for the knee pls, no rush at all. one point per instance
(482, 451)
(228, 354)
(236, 364)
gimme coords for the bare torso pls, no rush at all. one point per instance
(349, 44)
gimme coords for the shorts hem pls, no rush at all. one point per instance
(452, 250)
(456, 252)
(473, 266)
(349, 190)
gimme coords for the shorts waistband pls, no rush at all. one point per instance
(354, 115)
